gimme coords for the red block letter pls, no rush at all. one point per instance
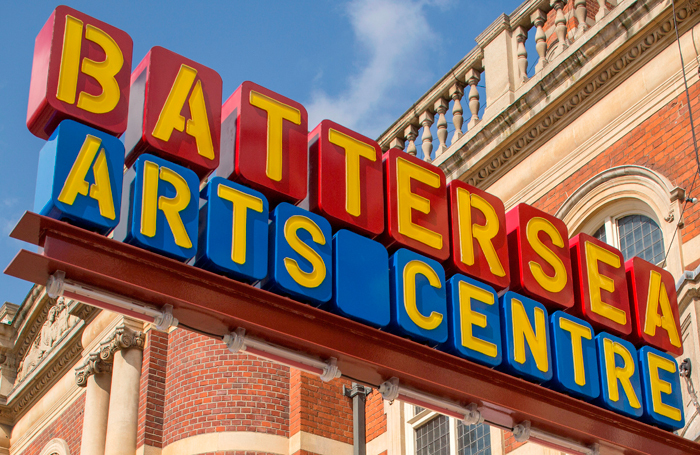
(346, 179)
(654, 306)
(416, 205)
(478, 227)
(539, 257)
(175, 112)
(80, 71)
(264, 143)
(600, 286)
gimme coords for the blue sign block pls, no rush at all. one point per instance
(80, 177)
(360, 279)
(163, 208)
(418, 297)
(300, 255)
(526, 338)
(661, 381)
(575, 356)
(621, 388)
(475, 327)
(233, 231)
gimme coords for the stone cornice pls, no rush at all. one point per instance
(521, 139)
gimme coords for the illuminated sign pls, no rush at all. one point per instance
(387, 242)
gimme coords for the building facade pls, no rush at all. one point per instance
(578, 108)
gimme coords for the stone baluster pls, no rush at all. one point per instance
(441, 106)
(603, 9)
(538, 18)
(426, 119)
(520, 37)
(560, 24)
(411, 133)
(581, 13)
(456, 93)
(397, 143)
(126, 347)
(472, 78)
(95, 375)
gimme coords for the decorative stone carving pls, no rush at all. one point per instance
(58, 322)
(92, 365)
(123, 338)
(671, 216)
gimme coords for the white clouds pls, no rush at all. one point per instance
(397, 39)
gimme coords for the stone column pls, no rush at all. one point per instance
(95, 376)
(126, 348)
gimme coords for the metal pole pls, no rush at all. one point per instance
(358, 393)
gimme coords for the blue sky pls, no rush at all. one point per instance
(361, 63)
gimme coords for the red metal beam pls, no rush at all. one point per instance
(216, 304)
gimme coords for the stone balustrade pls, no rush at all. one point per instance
(499, 65)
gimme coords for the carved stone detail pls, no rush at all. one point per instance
(600, 82)
(92, 365)
(58, 322)
(671, 216)
(123, 338)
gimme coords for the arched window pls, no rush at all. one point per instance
(635, 236)
(56, 447)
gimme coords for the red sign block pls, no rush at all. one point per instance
(80, 71)
(540, 263)
(654, 306)
(416, 199)
(600, 285)
(355, 202)
(175, 111)
(264, 143)
(478, 233)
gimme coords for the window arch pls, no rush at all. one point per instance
(629, 190)
(56, 447)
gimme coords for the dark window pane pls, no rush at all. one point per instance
(600, 234)
(433, 438)
(473, 439)
(640, 236)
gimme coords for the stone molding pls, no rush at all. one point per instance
(594, 86)
(56, 447)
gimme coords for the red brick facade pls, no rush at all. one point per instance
(375, 417)
(152, 397)
(69, 427)
(209, 390)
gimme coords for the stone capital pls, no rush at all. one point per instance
(122, 338)
(92, 365)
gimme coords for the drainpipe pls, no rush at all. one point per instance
(358, 393)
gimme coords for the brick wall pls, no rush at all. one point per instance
(69, 427)
(320, 408)
(152, 390)
(208, 390)
(662, 143)
(375, 417)
(509, 442)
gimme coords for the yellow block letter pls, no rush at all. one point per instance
(598, 282)
(241, 203)
(171, 118)
(483, 234)
(410, 270)
(578, 332)
(623, 374)
(315, 277)
(536, 339)
(558, 281)
(469, 318)
(407, 201)
(171, 207)
(658, 297)
(276, 113)
(659, 386)
(76, 184)
(103, 72)
(354, 150)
